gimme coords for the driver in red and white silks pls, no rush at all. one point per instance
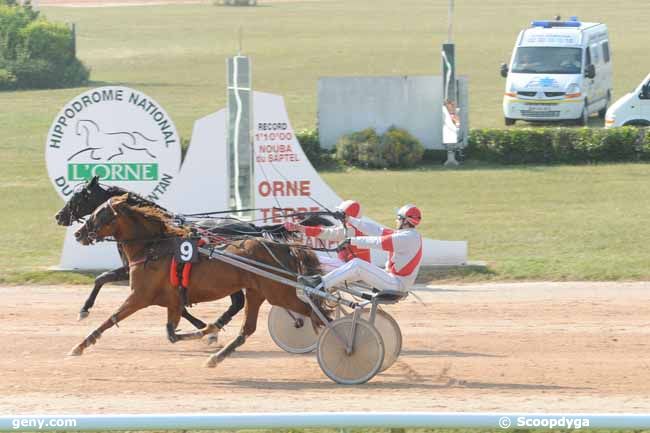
(404, 247)
(352, 211)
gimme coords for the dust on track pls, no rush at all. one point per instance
(513, 347)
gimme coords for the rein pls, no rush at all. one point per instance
(221, 212)
(139, 261)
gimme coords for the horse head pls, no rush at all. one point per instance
(101, 224)
(84, 201)
(86, 127)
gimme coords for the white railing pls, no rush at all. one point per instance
(321, 420)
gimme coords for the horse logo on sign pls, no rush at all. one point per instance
(109, 145)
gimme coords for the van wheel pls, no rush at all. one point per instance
(509, 121)
(603, 112)
(638, 122)
(583, 120)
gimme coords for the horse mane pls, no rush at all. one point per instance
(134, 199)
(151, 213)
(115, 190)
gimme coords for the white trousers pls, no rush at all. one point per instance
(360, 270)
(329, 263)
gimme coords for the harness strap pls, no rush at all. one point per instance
(173, 273)
(187, 269)
(137, 262)
(266, 247)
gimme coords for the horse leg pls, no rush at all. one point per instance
(119, 274)
(196, 322)
(173, 317)
(212, 330)
(254, 301)
(236, 305)
(128, 307)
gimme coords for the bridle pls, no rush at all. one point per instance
(106, 214)
(74, 206)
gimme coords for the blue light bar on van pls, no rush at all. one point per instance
(548, 24)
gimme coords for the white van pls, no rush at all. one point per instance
(632, 109)
(559, 70)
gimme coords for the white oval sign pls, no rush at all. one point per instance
(117, 133)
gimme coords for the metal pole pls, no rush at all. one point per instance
(241, 37)
(450, 20)
(74, 40)
(449, 83)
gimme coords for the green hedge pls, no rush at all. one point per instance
(36, 53)
(396, 148)
(310, 143)
(13, 19)
(558, 145)
(502, 146)
(400, 148)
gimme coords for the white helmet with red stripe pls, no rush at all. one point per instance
(351, 208)
(410, 213)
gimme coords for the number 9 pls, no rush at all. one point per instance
(187, 251)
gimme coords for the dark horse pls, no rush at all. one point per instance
(211, 279)
(91, 195)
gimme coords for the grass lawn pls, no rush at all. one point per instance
(562, 222)
(587, 222)
(176, 52)
(537, 222)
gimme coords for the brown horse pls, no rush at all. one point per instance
(144, 232)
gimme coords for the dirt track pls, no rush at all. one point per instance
(514, 347)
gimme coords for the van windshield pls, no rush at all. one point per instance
(547, 60)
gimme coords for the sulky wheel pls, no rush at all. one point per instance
(390, 333)
(292, 332)
(363, 361)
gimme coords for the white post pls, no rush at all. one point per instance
(451, 63)
(240, 122)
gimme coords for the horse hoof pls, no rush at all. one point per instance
(212, 361)
(83, 314)
(213, 338)
(77, 351)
